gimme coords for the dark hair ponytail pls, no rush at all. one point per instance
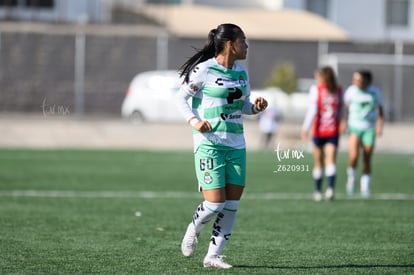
(207, 52)
(215, 44)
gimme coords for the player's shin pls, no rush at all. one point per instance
(350, 183)
(317, 178)
(204, 213)
(330, 172)
(365, 183)
(223, 227)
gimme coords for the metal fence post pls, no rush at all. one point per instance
(162, 52)
(79, 98)
(398, 79)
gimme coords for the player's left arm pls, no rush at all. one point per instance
(380, 121)
(343, 113)
(343, 123)
(252, 108)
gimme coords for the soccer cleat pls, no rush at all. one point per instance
(365, 194)
(365, 191)
(317, 196)
(189, 242)
(329, 194)
(215, 261)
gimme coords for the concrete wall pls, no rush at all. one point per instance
(39, 67)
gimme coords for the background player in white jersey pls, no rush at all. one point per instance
(324, 115)
(220, 91)
(365, 120)
(269, 125)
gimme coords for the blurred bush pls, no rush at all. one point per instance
(283, 76)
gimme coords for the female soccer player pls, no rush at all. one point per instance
(219, 88)
(365, 117)
(325, 111)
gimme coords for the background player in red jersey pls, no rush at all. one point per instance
(324, 115)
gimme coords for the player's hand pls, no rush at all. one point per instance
(304, 136)
(260, 104)
(379, 131)
(342, 127)
(203, 126)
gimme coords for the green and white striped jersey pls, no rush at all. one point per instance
(220, 96)
(363, 106)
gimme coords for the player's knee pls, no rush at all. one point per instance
(231, 205)
(214, 207)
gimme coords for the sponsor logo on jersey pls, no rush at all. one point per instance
(229, 116)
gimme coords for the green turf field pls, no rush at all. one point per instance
(125, 212)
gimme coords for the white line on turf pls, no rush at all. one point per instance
(183, 195)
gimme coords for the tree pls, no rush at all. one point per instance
(283, 77)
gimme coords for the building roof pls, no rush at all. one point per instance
(196, 21)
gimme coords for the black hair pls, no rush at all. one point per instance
(216, 41)
(366, 76)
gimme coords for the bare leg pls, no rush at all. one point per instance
(366, 176)
(353, 155)
(330, 169)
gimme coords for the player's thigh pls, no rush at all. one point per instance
(353, 144)
(234, 192)
(330, 151)
(317, 156)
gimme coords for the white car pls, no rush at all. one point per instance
(150, 97)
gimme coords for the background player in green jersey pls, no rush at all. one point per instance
(365, 119)
(220, 90)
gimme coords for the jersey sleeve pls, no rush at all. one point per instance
(312, 109)
(190, 89)
(197, 79)
(348, 95)
(181, 101)
(378, 95)
(248, 105)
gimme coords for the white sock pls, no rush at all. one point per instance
(351, 175)
(204, 213)
(365, 181)
(317, 173)
(222, 228)
(330, 170)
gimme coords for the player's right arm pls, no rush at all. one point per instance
(311, 113)
(380, 120)
(190, 89)
(343, 126)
